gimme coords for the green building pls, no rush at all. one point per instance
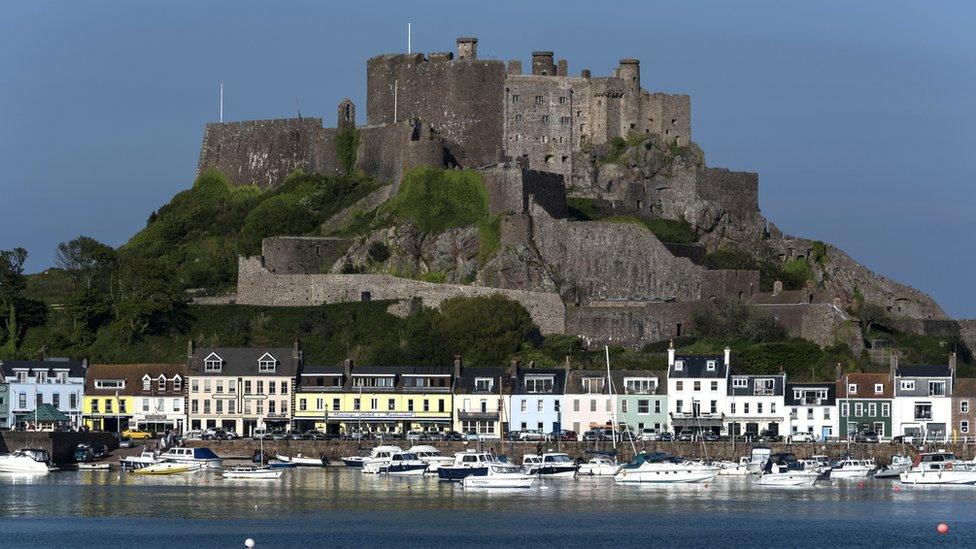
(864, 403)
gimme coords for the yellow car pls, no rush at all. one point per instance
(135, 434)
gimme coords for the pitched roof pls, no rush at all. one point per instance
(618, 377)
(46, 413)
(964, 387)
(133, 374)
(558, 384)
(924, 370)
(696, 366)
(865, 385)
(465, 384)
(75, 368)
(243, 361)
(830, 386)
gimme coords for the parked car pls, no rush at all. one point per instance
(416, 436)
(802, 437)
(665, 437)
(597, 435)
(867, 436)
(648, 435)
(99, 450)
(294, 435)
(904, 439)
(313, 434)
(453, 436)
(532, 435)
(278, 434)
(435, 436)
(565, 435)
(471, 436)
(686, 436)
(261, 434)
(709, 436)
(767, 435)
(189, 435)
(625, 436)
(137, 434)
(125, 442)
(83, 453)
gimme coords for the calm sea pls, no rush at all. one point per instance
(343, 508)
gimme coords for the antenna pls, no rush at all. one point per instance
(221, 102)
(299, 107)
(409, 37)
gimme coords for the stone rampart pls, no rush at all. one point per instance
(301, 254)
(258, 286)
(630, 324)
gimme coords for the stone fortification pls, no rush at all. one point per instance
(258, 286)
(301, 254)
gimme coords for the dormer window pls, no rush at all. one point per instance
(907, 385)
(146, 383)
(878, 388)
(22, 377)
(109, 383)
(161, 383)
(177, 383)
(267, 363)
(679, 365)
(740, 382)
(213, 363)
(852, 388)
(484, 384)
(710, 366)
(539, 384)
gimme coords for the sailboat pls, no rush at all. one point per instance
(244, 472)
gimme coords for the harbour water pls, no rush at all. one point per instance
(341, 507)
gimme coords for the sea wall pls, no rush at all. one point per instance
(61, 446)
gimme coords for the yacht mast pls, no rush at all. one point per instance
(613, 405)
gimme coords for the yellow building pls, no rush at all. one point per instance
(481, 400)
(375, 399)
(122, 396)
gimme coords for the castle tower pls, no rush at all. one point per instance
(630, 104)
(467, 47)
(347, 115)
(542, 64)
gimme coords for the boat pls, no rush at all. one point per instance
(95, 466)
(500, 475)
(731, 468)
(555, 465)
(783, 469)
(26, 460)
(355, 462)
(599, 466)
(303, 461)
(852, 468)
(431, 456)
(278, 464)
(662, 468)
(205, 457)
(377, 457)
(166, 468)
(137, 462)
(403, 463)
(899, 464)
(819, 463)
(243, 472)
(758, 458)
(466, 464)
(939, 467)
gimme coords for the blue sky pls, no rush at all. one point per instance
(859, 117)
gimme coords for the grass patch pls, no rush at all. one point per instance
(666, 230)
(437, 200)
(583, 209)
(489, 238)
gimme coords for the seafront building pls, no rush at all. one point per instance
(811, 408)
(4, 404)
(241, 388)
(698, 391)
(922, 404)
(755, 405)
(963, 409)
(57, 382)
(482, 401)
(587, 403)
(536, 399)
(642, 400)
(146, 396)
(864, 403)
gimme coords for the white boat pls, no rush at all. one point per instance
(783, 469)
(661, 468)
(403, 464)
(167, 468)
(939, 467)
(466, 464)
(600, 466)
(853, 468)
(26, 460)
(431, 456)
(899, 464)
(554, 465)
(95, 466)
(265, 473)
(378, 457)
(731, 468)
(818, 463)
(137, 462)
(758, 458)
(203, 457)
(500, 475)
(354, 462)
(301, 460)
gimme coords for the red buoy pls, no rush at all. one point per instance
(860, 485)
(942, 528)
(897, 489)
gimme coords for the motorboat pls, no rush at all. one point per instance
(262, 473)
(758, 458)
(95, 466)
(554, 465)
(140, 461)
(378, 457)
(819, 463)
(403, 463)
(431, 456)
(278, 464)
(466, 464)
(204, 457)
(939, 467)
(600, 466)
(500, 475)
(662, 468)
(303, 461)
(853, 468)
(26, 460)
(167, 468)
(731, 468)
(355, 462)
(899, 464)
(783, 469)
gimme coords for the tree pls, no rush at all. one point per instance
(17, 312)
(486, 330)
(731, 320)
(85, 259)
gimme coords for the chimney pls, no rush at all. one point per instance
(562, 68)
(894, 363)
(671, 353)
(347, 367)
(567, 364)
(728, 356)
(190, 347)
(952, 364)
(513, 368)
(467, 48)
(839, 372)
(542, 64)
(457, 366)
(296, 350)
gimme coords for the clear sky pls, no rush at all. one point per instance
(859, 116)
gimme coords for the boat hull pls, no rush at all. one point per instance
(165, 469)
(458, 474)
(554, 471)
(498, 481)
(260, 474)
(301, 461)
(894, 473)
(788, 479)
(353, 462)
(856, 472)
(404, 469)
(666, 476)
(944, 477)
(23, 466)
(586, 470)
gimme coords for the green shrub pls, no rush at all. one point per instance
(583, 209)
(347, 144)
(666, 230)
(378, 252)
(795, 274)
(489, 238)
(437, 199)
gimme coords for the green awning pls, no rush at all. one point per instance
(46, 413)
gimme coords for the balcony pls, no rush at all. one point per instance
(763, 392)
(478, 415)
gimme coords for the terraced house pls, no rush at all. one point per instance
(642, 400)
(320, 391)
(963, 409)
(145, 396)
(481, 400)
(698, 391)
(755, 404)
(536, 399)
(922, 406)
(241, 388)
(59, 383)
(587, 403)
(379, 399)
(864, 401)
(811, 408)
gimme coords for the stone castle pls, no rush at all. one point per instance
(537, 137)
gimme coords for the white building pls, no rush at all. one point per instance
(697, 391)
(922, 406)
(811, 408)
(755, 405)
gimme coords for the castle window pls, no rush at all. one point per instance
(565, 158)
(564, 120)
(562, 100)
(674, 121)
(538, 100)
(516, 99)
(518, 117)
(545, 119)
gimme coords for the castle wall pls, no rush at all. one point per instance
(820, 323)
(733, 283)
(510, 188)
(301, 254)
(462, 99)
(737, 192)
(630, 324)
(544, 117)
(667, 115)
(256, 285)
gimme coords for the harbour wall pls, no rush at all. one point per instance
(334, 449)
(61, 446)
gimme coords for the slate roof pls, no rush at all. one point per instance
(618, 380)
(75, 368)
(243, 361)
(466, 382)
(133, 374)
(558, 382)
(696, 366)
(831, 387)
(865, 385)
(924, 370)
